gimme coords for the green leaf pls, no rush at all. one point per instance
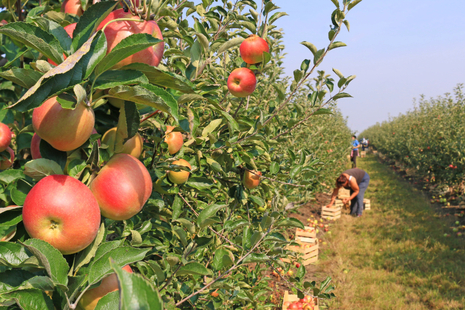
(13, 255)
(291, 222)
(304, 65)
(114, 78)
(233, 225)
(56, 79)
(336, 3)
(199, 183)
(86, 255)
(30, 299)
(323, 111)
(129, 120)
(338, 73)
(297, 75)
(342, 95)
(11, 175)
(336, 44)
(230, 44)
(23, 77)
(163, 78)
(89, 21)
(211, 127)
(208, 212)
(318, 56)
(122, 256)
(352, 4)
(108, 302)
(194, 268)
(256, 258)
(40, 168)
(147, 94)
(127, 47)
(53, 261)
(49, 152)
(222, 259)
(177, 207)
(258, 200)
(310, 46)
(34, 37)
(189, 97)
(136, 292)
(274, 168)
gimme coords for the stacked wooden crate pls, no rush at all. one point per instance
(366, 204)
(363, 153)
(289, 298)
(343, 193)
(308, 245)
(332, 213)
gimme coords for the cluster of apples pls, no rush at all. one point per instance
(306, 303)
(5, 140)
(242, 81)
(119, 30)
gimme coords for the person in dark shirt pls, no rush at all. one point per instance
(357, 181)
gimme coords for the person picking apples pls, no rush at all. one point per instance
(357, 181)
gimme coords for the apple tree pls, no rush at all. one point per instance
(194, 184)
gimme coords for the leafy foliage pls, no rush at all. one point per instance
(192, 239)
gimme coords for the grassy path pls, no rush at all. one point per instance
(396, 255)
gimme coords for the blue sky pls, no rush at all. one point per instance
(398, 49)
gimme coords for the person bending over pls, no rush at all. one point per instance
(357, 181)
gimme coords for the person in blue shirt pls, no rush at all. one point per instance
(354, 152)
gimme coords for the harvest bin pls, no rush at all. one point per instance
(343, 193)
(331, 213)
(288, 298)
(366, 204)
(307, 232)
(307, 248)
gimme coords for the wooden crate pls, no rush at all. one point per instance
(307, 248)
(331, 213)
(343, 193)
(375, 152)
(366, 204)
(363, 153)
(307, 232)
(288, 298)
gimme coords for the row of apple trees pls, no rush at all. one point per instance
(427, 139)
(202, 244)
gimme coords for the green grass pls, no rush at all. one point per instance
(395, 255)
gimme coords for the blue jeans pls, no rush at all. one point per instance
(356, 206)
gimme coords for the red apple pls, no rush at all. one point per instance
(173, 139)
(179, 177)
(252, 49)
(122, 187)
(117, 31)
(91, 297)
(35, 146)
(64, 129)
(114, 140)
(251, 179)
(69, 30)
(6, 163)
(72, 7)
(242, 82)
(5, 137)
(63, 212)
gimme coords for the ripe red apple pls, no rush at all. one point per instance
(72, 7)
(179, 177)
(35, 146)
(122, 187)
(117, 31)
(69, 30)
(63, 212)
(252, 49)
(5, 137)
(241, 82)
(64, 129)
(173, 139)
(251, 179)
(114, 140)
(91, 297)
(6, 163)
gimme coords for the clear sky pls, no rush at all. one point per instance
(398, 49)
